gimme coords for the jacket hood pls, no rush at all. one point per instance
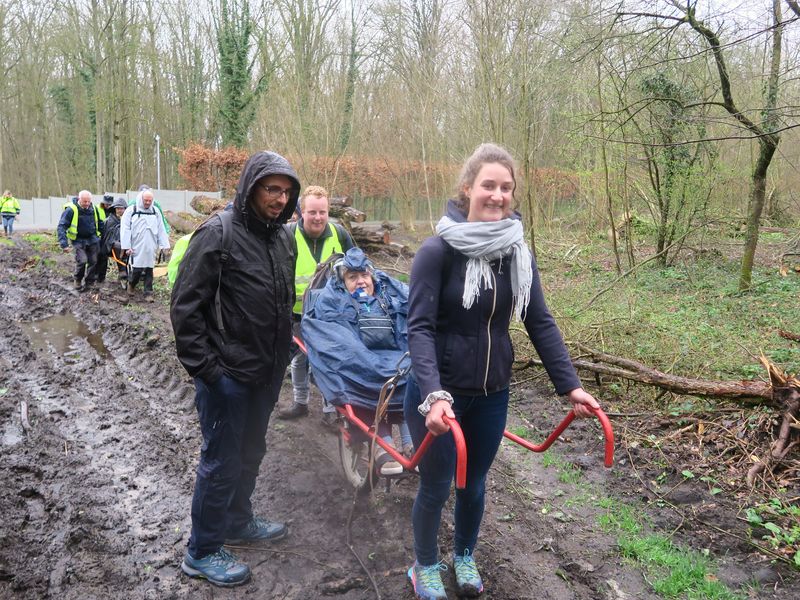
(454, 211)
(140, 203)
(459, 216)
(260, 165)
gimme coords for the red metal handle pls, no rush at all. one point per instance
(409, 464)
(604, 422)
(300, 344)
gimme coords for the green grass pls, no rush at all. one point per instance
(672, 571)
(42, 242)
(686, 319)
(675, 572)
(567, 472)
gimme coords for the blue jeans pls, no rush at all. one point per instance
(483, 420)
(8, 224)
(233, 419)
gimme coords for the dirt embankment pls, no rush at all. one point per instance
(96, 493)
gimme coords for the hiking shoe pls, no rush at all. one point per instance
(427, 581)
(296, 410)
(468, 580)
(329, 420)
(258, 530)
(78, 285)
(385, 464)
(221, 568)
(149, 297)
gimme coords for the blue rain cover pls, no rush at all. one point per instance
(345, 370)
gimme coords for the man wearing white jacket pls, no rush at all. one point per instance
(142, 234)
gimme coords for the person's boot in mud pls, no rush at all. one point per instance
(147, 277)
(220, 568)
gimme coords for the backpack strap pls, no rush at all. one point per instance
(226, 218)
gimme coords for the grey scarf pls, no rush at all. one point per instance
(484, 242)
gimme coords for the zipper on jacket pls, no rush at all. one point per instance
(489, 331)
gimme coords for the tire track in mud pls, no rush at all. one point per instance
(105, 438)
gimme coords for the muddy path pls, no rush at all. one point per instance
(96, 493)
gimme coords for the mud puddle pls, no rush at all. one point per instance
(64, 335)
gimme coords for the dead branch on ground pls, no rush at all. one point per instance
(781, 393)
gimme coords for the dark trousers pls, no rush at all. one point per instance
(144, 273)
(102, 267)
(483, 420)
(86, 261)
(122, 266)
(233, 419)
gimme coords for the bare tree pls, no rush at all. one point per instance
(765, 130)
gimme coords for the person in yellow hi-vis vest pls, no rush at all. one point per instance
(9, 209)
(315, 240)
(81, 226)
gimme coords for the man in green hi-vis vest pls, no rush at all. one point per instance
(315, 240)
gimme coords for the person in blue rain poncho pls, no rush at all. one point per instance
(355, 334)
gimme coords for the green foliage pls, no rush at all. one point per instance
(782, 522)
(238, 95)
(619, 517)
(678, 172)
(686, 319)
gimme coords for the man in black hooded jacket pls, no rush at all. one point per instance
(237, 365)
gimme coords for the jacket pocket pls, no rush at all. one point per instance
(457, 363)
(500, 364)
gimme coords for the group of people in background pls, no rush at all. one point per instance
(128, 235)
(233, 311)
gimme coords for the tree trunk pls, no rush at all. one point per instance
(767, 146)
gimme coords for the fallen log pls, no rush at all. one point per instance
(782, 392)
(206, 205)
(626, 368)
(340, 201)
(346, 214)
(788, 335)
(364, 237)
(183, 222)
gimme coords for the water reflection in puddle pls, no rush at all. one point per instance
(62, 335)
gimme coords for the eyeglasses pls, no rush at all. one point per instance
(275, 191)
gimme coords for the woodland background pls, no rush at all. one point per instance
(670, 116)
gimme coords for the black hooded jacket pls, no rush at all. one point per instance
(256, 288)
(469, 351)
